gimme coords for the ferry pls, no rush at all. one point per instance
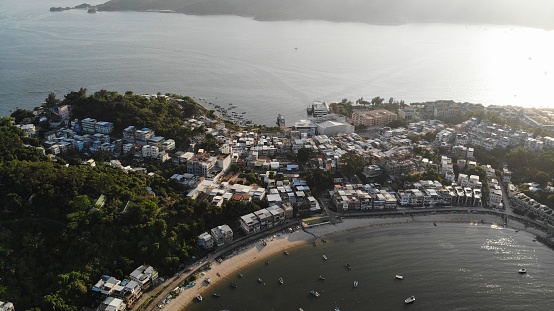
(409, 299)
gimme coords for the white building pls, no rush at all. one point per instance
(320, 109)
(222, 235)
(331, 128)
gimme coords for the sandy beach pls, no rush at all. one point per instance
(278, 243)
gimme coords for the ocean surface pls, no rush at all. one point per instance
(265, 68)
(447, 267)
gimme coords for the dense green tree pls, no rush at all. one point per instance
(351, 163)
(318, 180)
(304, 155)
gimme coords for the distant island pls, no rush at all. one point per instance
(80, 6)
(531, 13)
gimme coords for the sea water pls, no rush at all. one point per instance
(265, 68)
(446, 267)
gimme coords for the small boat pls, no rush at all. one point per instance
(324, 257)
(267, 262)
(355, 284)
(260, 280)
(398, 276)
(435, 224)
(314, 243)
(522, 270)
(240, 275)
(348, 266)
(286, 252)
(234, 285)
(300, 309)
(337, 309)
(323, 240)
(314, 293)
(281, 281)
(409, 299)
(199, 297)
(321, 278)
(207, 280)
(216, 295)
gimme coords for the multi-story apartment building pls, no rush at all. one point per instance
(222, 235)
(380, 117)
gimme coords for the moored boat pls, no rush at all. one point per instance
(199, 297)
(207, 280)
(286, 252)
(409, 299)
(234, 285)
(398, 276)
(314, 293)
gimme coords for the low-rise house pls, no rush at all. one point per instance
(222, 235)
(206, 240)
(6, 306)
(145, 276)
(112, 304)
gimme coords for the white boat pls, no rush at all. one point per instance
(314, 293)
(321, 278)
(522, 270)
(260, 280)
(355, 284)
(337, 309)
(281, 281)
(207, 280)
(409, 299)
(199, 297)
(398, 276)
(324, 257)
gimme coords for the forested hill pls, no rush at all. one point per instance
(532, 13)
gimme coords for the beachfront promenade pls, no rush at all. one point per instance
(250, 253)
(165, 288)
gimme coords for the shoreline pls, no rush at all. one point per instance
(256, 252)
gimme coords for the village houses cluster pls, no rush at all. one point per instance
(120, 295)
(329, 137)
